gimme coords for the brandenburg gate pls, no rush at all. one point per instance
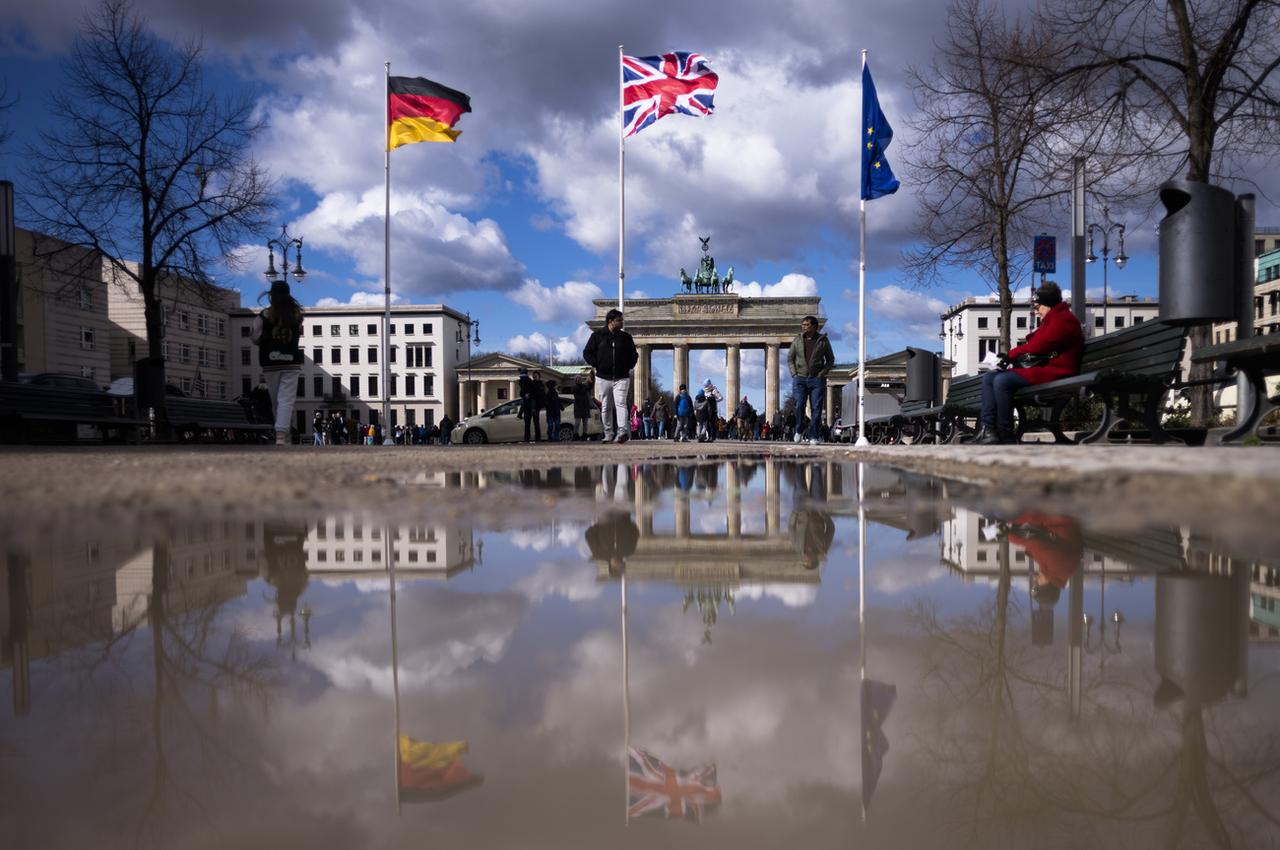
(724, 320)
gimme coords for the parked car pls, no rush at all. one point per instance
(58, 379)
(842, 433)
(503, 424)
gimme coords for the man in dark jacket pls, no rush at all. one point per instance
(533, 394)
(612, 353)
(810, 359)
(1058, 342)
(612, 539)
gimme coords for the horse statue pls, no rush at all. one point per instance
(726, 282)
(685, 281)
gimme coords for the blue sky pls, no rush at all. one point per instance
(517, 222)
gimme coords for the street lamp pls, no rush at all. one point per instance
(284, 243)
(1121, 258)
(461, 335)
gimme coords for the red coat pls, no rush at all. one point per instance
(1055, 544)
(1059, 331)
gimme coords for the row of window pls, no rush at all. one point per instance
(208, 357)
(355, 384)
(371, 329)
(416, 356)
(217, 325)
(375, 555)
(1098, 321)
(1273, 302)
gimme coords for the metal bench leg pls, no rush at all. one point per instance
(1105, 425)
(1151, 411)
(1258, 406)
(1023, 424)
(1055, 422)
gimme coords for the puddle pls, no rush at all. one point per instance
(705, 654)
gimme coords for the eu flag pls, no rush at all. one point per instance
(877, 176)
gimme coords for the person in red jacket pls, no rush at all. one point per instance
(1059, 340)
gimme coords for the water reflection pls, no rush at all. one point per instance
(765, 648)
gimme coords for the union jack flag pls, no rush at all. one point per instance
(659, 790)
(654, 86)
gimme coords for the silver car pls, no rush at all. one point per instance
(503, 424)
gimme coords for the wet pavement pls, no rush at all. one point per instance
(699, 652)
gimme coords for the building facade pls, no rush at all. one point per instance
(971, 329)
(1266, 316)
(342, 367)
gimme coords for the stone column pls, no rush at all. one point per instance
(733, 365)
(732, 501)
(643, 506)
(486, 393)
(462, 399)
(772, 498)
(681, 504)
(640, 378)
(680, 368)
(829, 404)
(513, 390)
(771, 381)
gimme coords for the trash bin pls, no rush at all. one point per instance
(922, 375)
(1196, 634)
(1197, 253)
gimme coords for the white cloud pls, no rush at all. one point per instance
(360, 299)
(791, 286)
(790, 595)
(575, 582)
(537, 343)
(569, 300)
(904, 305)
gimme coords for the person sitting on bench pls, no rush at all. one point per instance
(1051, 352)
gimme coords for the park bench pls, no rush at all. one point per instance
(192, 418)
(1142, 361)
(28, 410)
(963, 402)
(912, 422)
(1255, 357)
(1149, 550)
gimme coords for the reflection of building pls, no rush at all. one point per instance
(347, 547)
(970, 546)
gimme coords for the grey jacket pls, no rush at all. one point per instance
(823, 358)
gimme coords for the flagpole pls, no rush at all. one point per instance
(389, 556)
(626, 710)
(622, 184)
(386, 278)
(862, 612)
(862, 286)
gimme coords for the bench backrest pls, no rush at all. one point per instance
(965, 393)
(911, 408)
(1146, 349)
(206, 413)
(34, 401)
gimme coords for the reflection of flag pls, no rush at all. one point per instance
(660, 790)
(654, 86)
(430, 771)
(420, 110)
(877, 699)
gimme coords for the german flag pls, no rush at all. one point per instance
(422, 111)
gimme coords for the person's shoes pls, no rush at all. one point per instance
(799, 437)
(1006, 437)
(813, 441)
(622, 438)
(987, 438)
(282, 439)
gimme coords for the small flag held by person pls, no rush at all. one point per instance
(877, 176)
(656, 86)
(419, 110)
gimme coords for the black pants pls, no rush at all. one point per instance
(529, 410)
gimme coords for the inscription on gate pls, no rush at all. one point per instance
(730, 308)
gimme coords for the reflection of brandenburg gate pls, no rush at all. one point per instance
(727, 321)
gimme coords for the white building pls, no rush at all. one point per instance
(971, 328)
(342, 370)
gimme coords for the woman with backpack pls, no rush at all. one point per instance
(276, 331)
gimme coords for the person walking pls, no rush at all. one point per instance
(553, 411)
(317, 429)
(713, 395)
(744, 414)
(446, 429)
(684, 414)
(532, 392)
(810, 359)
(612, 353)
(276, 331)
(658, 416)
(583, 406)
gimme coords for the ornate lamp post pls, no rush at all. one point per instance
(284, 243)
(1121, 259)
(460, 335)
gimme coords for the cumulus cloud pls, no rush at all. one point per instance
(569, 300)
(360, 299)
(575, 582)
(791, 286)
(538, 343)
(790, 595)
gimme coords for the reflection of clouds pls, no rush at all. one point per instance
(574, 581)
(790, 595)
(541, 539)
(440, 633)
(892, 577)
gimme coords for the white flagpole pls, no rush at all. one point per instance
(862, 605)
(862, 285)
(386, 271)
(626, 711)
(389, 553)
(622, 185)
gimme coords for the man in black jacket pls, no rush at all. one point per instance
(612, 353)
(533, 394)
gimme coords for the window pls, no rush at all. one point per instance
(986, 345)
(502, 393)
(1119, 321)
(86, 298)
(394, 347)
(164, 349)
(1259, 246)
(1137, 320)
(335, 386)
(186, 386)
(429, 385)
(202, 356)
(372, 354)
(222, 390)
(355, 386)
(372, 330)
(1099, 322)
(426, 328)
(220, 327)
(373, 385)
(202, 324)
(184, 353)
(393, 330)
(246, 385)
(317, 355)
(164, 315)
(184, 320)
(317, 385)
(353, 330)
(353, 354)
(418, 356)
(1022, 322)
(88, 338)
(408, 329)
(222, 359)
(245, 331)
(317, 330)
(1257, 307)
(395, 382)
(982, 321)
(1217, 337)
(335, 330)
(302, 387)
(335, 355)
(410, 384)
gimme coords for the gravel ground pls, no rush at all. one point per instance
(1236, 489)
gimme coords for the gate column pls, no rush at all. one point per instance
(770, 381)
(732, 382)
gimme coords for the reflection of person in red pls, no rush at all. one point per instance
(1055, 544)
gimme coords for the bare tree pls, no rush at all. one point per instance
(1189, 85)
(991, 152)
(146, 163)
(6, 103)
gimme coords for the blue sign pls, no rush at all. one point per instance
(1045, 258)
